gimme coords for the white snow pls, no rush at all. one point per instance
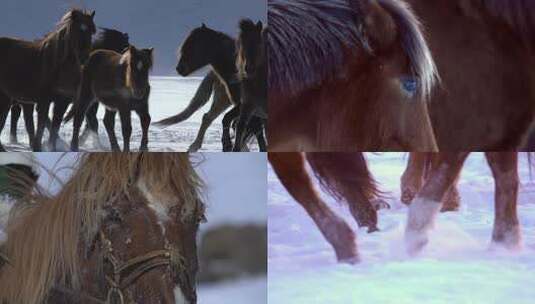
(458, 264)
(169, 96)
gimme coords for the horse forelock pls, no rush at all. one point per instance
(414, 44)
(307, 42)
(46, 239)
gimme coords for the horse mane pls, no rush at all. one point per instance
(308, 42)
(111, 39)
(519, 15)
(46, 238)
(127, 58)
(245, 25)
(58, 44)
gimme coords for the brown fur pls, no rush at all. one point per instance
(484, 52)
(353, 98)
(45, 239)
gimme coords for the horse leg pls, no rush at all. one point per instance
(15, 115)
(145, 119)
(346, 176)
(290, 169)
(28, 110)
(413, 177)
(227, 121)
(220, 104)
(451, 199)
(126, 126)
(260, 138)
(109, 123)
(504, 168)
(445, 169)
(247, 110)
(5, 106)
(60, 107)
(42, 116)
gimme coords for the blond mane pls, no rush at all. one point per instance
(46, 238)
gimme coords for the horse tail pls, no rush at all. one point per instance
(347, 178)
(199, 100)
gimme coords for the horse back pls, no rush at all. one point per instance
(106, 70)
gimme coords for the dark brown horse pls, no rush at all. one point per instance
(122, 230)
(444, 169)
(205, 46)
(348, 75)
(346, 177)
(484, 52)
(121, 83)
(36, 72)
(252, 71)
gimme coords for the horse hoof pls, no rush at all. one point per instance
(373, 229)
(379, 204)
(407, 196)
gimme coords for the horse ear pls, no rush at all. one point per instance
(93, 15)
(151, 50)
(259, 25)
(379, 24)
(203, 25)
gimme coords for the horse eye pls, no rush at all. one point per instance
(83, 27)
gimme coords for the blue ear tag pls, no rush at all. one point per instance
(409, 84)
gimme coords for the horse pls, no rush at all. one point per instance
(198, 51)
(221, 101)
(121, 230)
(484, 52)
(106, 39)
(348, 75)
(252, 70)
(31, 71)
(121, 83)
(343, 175)
(443, 172)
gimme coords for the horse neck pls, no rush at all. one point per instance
(223, 60)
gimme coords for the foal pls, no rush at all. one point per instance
(252, 70)
(121, 83)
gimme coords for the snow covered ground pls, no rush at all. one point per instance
(169, 96)
(456, 266)
(235, 193)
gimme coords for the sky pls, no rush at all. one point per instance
(162, 24)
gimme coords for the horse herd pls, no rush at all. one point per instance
(428, 185)
(68, 66)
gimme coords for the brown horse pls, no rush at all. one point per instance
(122, 230)
(121, 83)
(484, 52)
(251, 63)
(346, 177)
(444, 171)
(348, 75)
(35, 72)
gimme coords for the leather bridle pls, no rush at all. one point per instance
(124, 274)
